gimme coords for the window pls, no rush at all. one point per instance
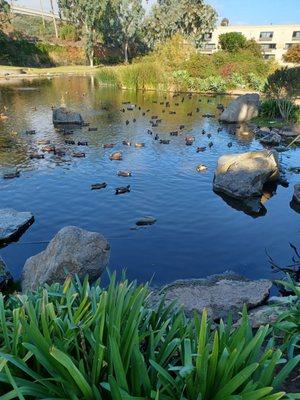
(269, 56)
(268, 46)
(288, 45)
(209, 46)
(266, 35)
(207, 36)
(296, 35)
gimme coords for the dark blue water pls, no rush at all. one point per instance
(197, 233)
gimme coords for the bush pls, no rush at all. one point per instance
(293, 54)
(81, 342)
(284, 86)
(232, 41)
(68, 32)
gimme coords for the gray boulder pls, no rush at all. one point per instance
(242, 109)
(72, 251)
(218, 294)
(62, 115)
(13, 223)
(244, 175)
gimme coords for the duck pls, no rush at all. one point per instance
(149, 132)
(78, 154)
(164, 141)
(154, 117)
(229, 144)
(139, 145)
(203, 132)
(125, 174)
(108, 146)
(127, 122)
(201, 168)
(172, 112)
(126, 143)
(174, 133)
(181, 127)
(97, 186)
(116, 156)
(36, 156)
(210, 144)
(163, 111)
(209, 135)
(134, 120)
(93, 129)
(12, 175)
(200, 149)
(43, 142)
(156, 137)
(59, 152)
(82, 144)
(48, 149)
(219, 129)
(30, 132)
(72, 142)
(189, 140)
(189, 114)
(123, 189)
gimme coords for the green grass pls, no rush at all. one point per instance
(264, 121)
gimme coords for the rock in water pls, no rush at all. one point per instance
(242, 109)
(63, 116)
(244, 175)
(271, 139)
(13, 224)
(72, 251)
(5, 276)
(219, 294)
(146, 221)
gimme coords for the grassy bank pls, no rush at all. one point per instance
(177, 66)
(23, 72)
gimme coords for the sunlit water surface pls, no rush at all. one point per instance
(197, 233)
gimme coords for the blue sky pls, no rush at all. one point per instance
(238, 11)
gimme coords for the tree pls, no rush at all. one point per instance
(284, 86)
(293, 54)
(225, 22)
(86, 14)
(4, 12)
(130, 14)
(190, 18)
(232, 41)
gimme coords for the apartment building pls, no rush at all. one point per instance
(274, 39)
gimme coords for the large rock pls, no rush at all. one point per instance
(242, 109)
(72, 251)
(13, 224)
(271, 139)
(244, 175)
(63, 116)
(218, 294)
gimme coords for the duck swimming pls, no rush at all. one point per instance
(174, 133)
(123, 189)
(189, 140)
(97, 186)
(11, 175)
(126, 143)
(93, 129)
(36, 156)
(125, 174)
(82, 144)
(78, 155)
(201, 168)
(108, 146)
(200, 149)
(48, 149)
(70, 142)
(116, 156)
(164, 141)
(139, 145)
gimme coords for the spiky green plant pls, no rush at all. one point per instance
(76, 341)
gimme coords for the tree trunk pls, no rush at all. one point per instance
(54, 20)
(126, 51)
(91, 57)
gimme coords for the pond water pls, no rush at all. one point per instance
(197, 233)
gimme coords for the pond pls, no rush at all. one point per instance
(197, 233)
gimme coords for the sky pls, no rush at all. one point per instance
(257, 12)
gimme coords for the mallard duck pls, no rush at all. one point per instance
(93, 129)
(200, 149)
(36, 156)
(48, 149)
(181, 127)
(164, 141)
(229, 144)
(72, 142)
(11, 175)
(82, 144)
(78, 155)
(126, 143)
(108, 146)
(174, 133)
(97, 186)
(210, 144)
(139, 145)
(123, 189)
(43, 142)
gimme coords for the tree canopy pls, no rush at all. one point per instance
(232, 41)
(293, 54)
(4, 11)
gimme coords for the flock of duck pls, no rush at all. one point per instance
(154, 122)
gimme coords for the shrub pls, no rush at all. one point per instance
(293, 54)
(232, 41)
(108, 76)
(284, 86)
(68, 32)
(255, 82)
(269, 108)
(81, 342)
(237, 80)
